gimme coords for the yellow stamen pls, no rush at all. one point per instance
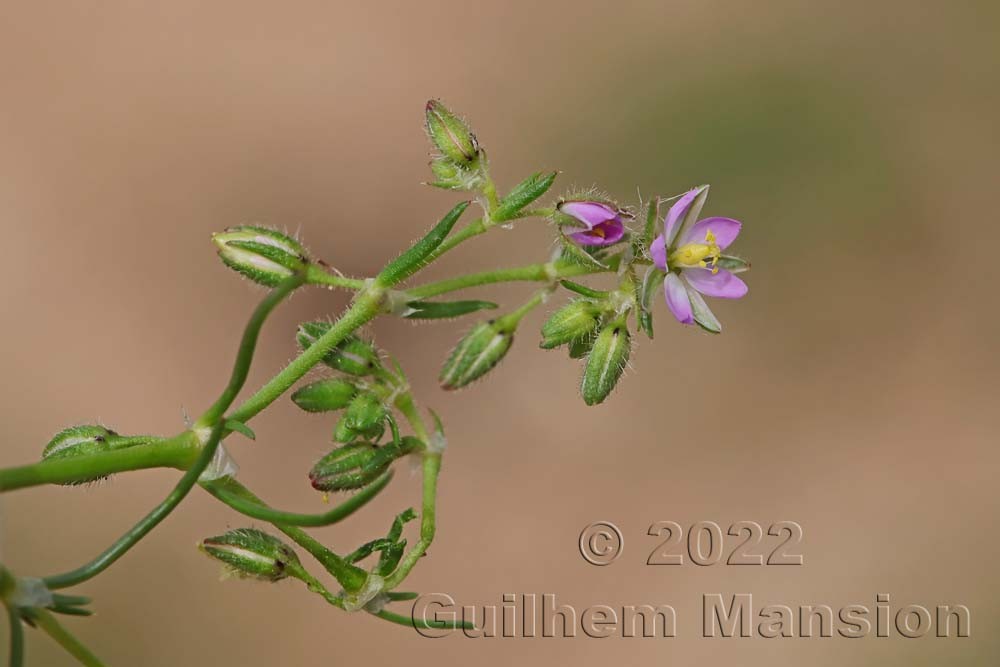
(706, 255)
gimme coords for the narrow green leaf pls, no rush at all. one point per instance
(436, 310)
(410, 261)
(241, 428)
(523, 194)
(400, 596)
(583, 290)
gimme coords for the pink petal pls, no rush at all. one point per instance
(658, 251)
(680, 211)
(725, 229)
(723, 284)
(605, 233)
(677, 298)
(589, 213)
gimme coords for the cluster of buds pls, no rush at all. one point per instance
(594, 327)
(362, 394)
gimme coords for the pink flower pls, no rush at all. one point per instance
(602, 224)
(689, 254)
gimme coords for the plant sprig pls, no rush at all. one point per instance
(592, 239)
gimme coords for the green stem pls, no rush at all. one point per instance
(222, 489)
(364, 309)
(350, 577)
(404, 403)
(144, 526)
(431, 468)
(16, 637)
(178, 452)
(489, 188)
(244, 354)
(190, 478)
(533, 272)
(511, 320)
(316, 586)
(317, 275)
(48, 624)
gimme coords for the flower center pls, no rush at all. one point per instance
(599, 230)
(706, 255)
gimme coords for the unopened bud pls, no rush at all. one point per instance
(365, 412)
(576, 319)
(79, 441)
(349, 467)
(450, 135)
(352, 355)
(606, 362)
(580, 347)
(263, 255)
(248, 552)
(476, 354)
(325, 395)
(449, 175)
(345, 433)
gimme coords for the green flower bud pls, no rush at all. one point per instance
(248, 552)
(451, 176)
(352, 356)
(580, 347)
(79, 441)
(577, 319)
(345, 433)
(325, 395)
(606, 362)
(365, 412)
(349, 467)
(450, 135)
(446, 171)
(263, 255)
(476, 354)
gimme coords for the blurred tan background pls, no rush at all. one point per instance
(853, 391)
